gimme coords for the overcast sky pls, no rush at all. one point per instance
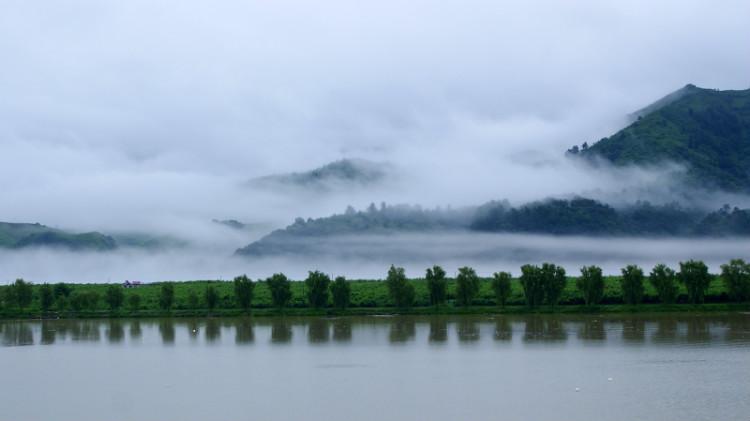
(125, 112)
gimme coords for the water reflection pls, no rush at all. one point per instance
(166, 330)
(634, 330)
(544, 329)
(317, 330)
(17, 334)
(85, 331)
(438, 329)
(467, 330)
(48, 333)
(135, 330)
(403, 329)
(342, 329)
(666, 330)
(698, 330)
(244, 332)
(213, 330)
(115, 331)
(503, 329)
(281, 331)
(592, 329)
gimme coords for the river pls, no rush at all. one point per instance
(536, 367)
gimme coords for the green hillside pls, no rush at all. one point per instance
(19, 235)
(706, 130)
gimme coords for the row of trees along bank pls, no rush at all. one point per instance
(540, 285)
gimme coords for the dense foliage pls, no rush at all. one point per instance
(591, 285)
(341, 291)
(243, 291)
(706, 130)
(317, 289)
(736, 276)
(280, 287)
(664, 281)
(632, 284)
(401, 291)
(437, 285)
(694, 275)
(501, 287)
(467, 286)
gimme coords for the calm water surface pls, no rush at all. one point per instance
(663, 367)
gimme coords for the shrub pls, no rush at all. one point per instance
(553, 282)
(436, 284)
(736, 277)
(531, 282)
(46, 297)
(166, 296)
(467, 286)
(694, 275)
(114, 297)
(88, 300)
(212, 297)
(632, 284)
(591, 285)
(281, 292)
(341, 291)
(316, 285)
(134, 301)
(662, 278)
(243, 291)
(399, 289)
(501, 287)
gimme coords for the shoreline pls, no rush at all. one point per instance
(447, 310)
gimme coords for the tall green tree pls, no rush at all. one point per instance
(631, 284)
(281, 289)
(694, 275)
(591, 285)
(134, 301)
(467, 286)
(400, 290)
(21, 293)
(316, 285)
(553, 282)
(114, 297)
(664, 281)
(531, 282)
(436, 284)
(46, 297)
(341, 291)
(501, 287)
(243, 291)
(736, 277)
(166, 296)
(62, 295)
(212, 298)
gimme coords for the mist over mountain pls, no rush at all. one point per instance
(706, 130)
(22, 235)
(341, 174)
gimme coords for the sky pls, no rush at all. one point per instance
(145, 115)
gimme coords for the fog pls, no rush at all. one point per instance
(135, 116)
(368, 257)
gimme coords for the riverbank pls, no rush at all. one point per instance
(368, 297)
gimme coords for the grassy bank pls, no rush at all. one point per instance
(367, 297)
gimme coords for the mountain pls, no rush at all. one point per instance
(706, 130)
(342, 173)
(303, 234)
(576, 216)
(20, 235)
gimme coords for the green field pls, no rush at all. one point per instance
(367, 297)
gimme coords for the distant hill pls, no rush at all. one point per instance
(576, 216)
(342, 173)
(706, 130)
(20, 235)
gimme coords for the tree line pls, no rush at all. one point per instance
(540, 285)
